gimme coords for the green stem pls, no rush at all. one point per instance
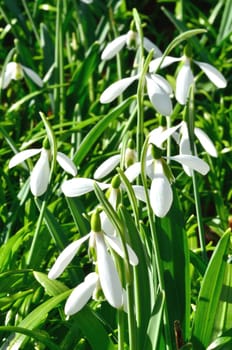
(59, 66)
(36, 234)
(31, 21)
(121, 330)
(191, 125)
(157, 258)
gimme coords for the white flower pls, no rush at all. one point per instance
(16, 71)
(184, 143)
(127, 39)
(160, 193)
(39, 178)
(158, 90)
(185, 76)
(107, 278)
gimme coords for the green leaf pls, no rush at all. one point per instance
(219, 343)
(52, 287)
(37, 335)
(153, 330)
(214, 308)
(98, 130)
(93, 330)
(174, 254)
(34, 319)
(226, 23)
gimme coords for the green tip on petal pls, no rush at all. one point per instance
(95, 222)
(116, 181)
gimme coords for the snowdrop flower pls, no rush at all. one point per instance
(130, 39)
(158, 89)
(184, 143)
(79, 186)
(40, 175)
(107, 277)
(185, 76)
(159, 172)
(110, 163)
(87, 1)
(16, 71)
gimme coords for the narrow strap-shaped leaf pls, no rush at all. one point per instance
(211, 294)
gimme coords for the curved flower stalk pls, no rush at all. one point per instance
(185, 76)
(16, 71)
(79, 186)
(158, 89)
(106, 278)
(130, 39)
(112, 162)
(40, 175)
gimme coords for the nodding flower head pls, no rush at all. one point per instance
(185, 76)
(131, 40)
(17, 71)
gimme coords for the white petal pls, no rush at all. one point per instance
(66, 257)
(133, 171)
(139, 192)
(81, 294)
(66, 163)
(114, 47)
(206, 142)
(33, 76)
(148, 45)
(161, 134)
(109, 279)
(79, 186)
(106, 224)
(158, 97)
(192, 162)
(8, 75)
(213, 74)
(116, 89)
(40, 174)
(185, 148)
(154, 64)
(116, 244)
(107, 166)
(21, 156)
(163, 83)
(183, 82)
(161, 196)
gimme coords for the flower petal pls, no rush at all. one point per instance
(8, 74)
(116, 89)
(213, 74)
(183, 82)
(158, 97)
(161, 134)
(66, 163)
(79, 186)
(109, 279)
(116, 244)
(206, 142)
(139, 193)
(154, 64)
(161, 195)
(81, 294)
(162, 82)
(192, 162)
(33, 76)
(114, 47)
(133, 171)
(23, 155)
(107, 166)
(149, 45)
(40, 174)
(66, 257)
